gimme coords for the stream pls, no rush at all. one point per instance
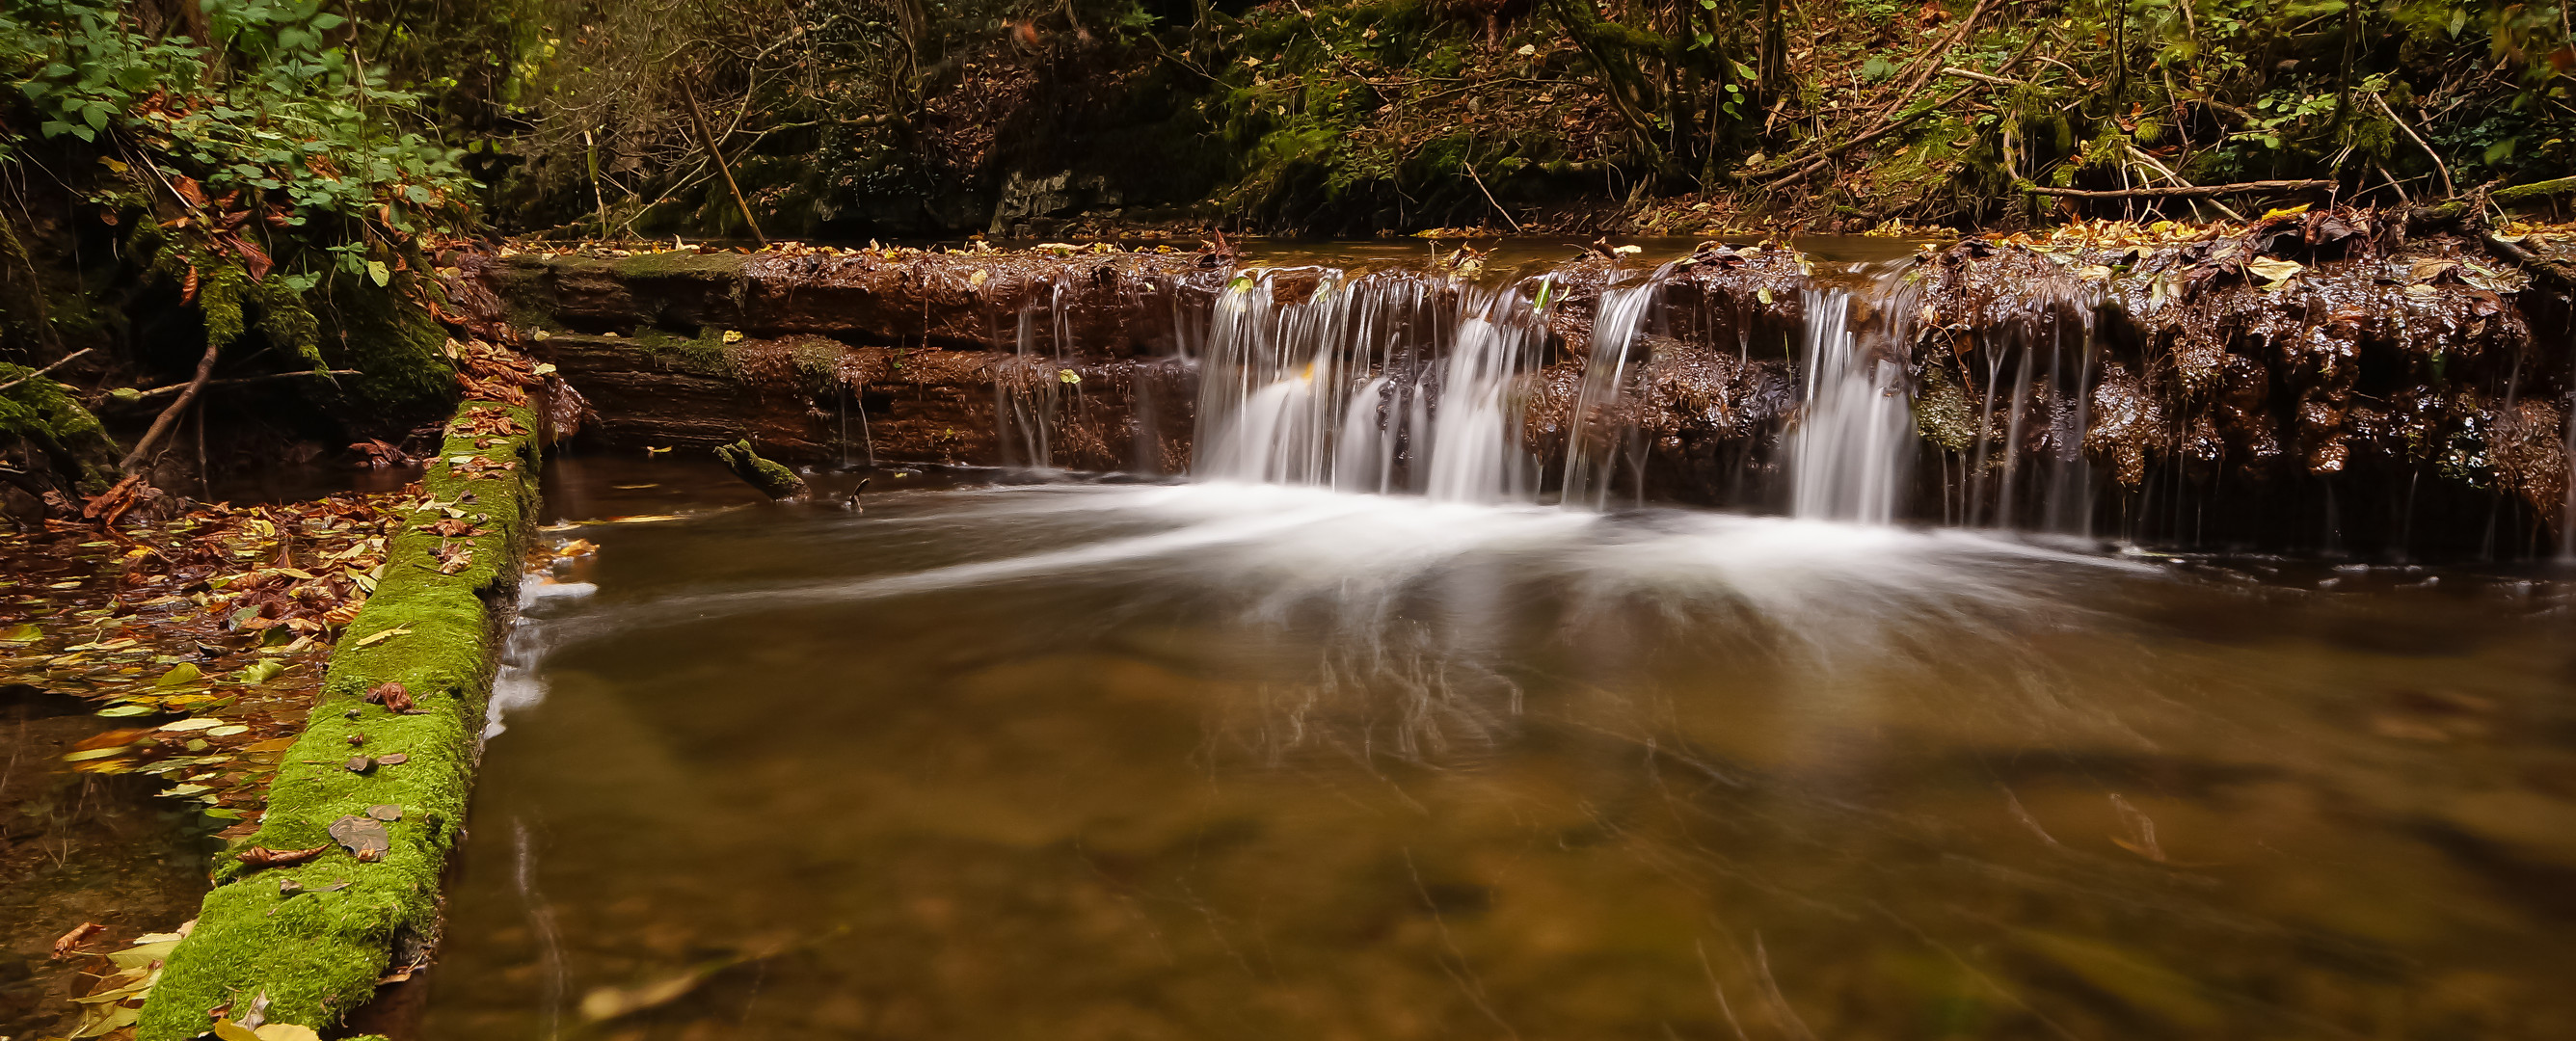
(1225, 759)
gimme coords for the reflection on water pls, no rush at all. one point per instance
(1255, 762)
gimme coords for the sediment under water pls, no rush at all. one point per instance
(1242, 760)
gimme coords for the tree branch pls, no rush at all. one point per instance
(59, 363)
(2188, 191)
(169, 417)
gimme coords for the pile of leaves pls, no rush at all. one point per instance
(208, 630)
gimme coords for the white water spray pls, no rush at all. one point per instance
(1851, 447)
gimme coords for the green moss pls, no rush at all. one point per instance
(399, 347)
(662, 265)
(773, 479)
(818, 361)
(39, 408)
(316, 955)
(705, 355)
(1941, 411)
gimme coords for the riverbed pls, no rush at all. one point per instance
(1092, 759)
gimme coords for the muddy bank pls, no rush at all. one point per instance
(2317, 381)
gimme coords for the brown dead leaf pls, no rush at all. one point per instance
(264, 857)
(363, 836)
(394, 697)
(65, 946)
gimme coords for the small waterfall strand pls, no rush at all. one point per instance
(1598, 431)
(1855, 438)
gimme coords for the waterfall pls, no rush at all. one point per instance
(1026, 391)
(1599, 433)
(1855, 439)
(1370, 383)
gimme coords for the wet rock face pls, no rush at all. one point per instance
(2299, 355)
(2247, 390)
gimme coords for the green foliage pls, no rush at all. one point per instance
(251, 169)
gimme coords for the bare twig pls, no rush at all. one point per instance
(1489, 197)
(2185, 191)
(170, 416)
(709, 138)
(59, 363)
(175, 388)
(2447, 187)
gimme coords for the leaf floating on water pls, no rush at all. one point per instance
(228, 730)
(261, 672)
(263, 857)
(197, 723)
(385, 812)
(80, 934)
(27, 633)
(122, 711)
(607, 1003)
(184, 672)
(364, 837)
(2141, 829)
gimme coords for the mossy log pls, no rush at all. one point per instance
(315, 951)
(773, 479)
(2535, 190)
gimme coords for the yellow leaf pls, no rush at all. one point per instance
(2291, 212)
(2274, 271)
(372, 639)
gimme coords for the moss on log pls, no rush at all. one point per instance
(315, 950)
(773, 479)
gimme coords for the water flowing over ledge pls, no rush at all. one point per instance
(2279, 388)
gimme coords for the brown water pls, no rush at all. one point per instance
(1255, 762)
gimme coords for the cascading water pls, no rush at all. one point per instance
(1855, 439)
(1369, 383)
(1027, 388)
(1600, 437)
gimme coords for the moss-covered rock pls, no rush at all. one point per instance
(316, 953)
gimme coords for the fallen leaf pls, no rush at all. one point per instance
(394, 697)
(286, 1032)
(607, 1003)
(2274, 271)
(396, 759)
(264, 857)
(385, 812)
(380, 637)
(198, 723)
(364, 837)
(63, 946)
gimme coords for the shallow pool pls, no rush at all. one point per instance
(1206, 761)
